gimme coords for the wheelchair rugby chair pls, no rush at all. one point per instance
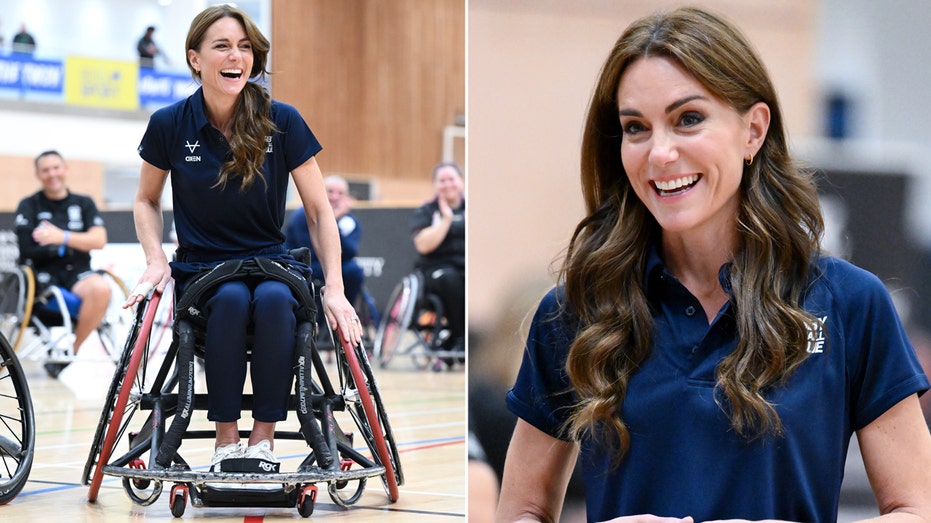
(413, 325)
(40, 323)
(142, 403)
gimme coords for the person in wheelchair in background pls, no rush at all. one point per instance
(230, 150)
(438, 228)
(56, 230)
(297, 235)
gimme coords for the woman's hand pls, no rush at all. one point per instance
(340, 315)
(446, 212)
(156, 276)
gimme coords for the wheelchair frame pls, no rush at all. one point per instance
(411, 309)
(332, 459)
(17, 424)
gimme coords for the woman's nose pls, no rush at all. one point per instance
(663, 149)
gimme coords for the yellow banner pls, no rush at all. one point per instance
(109, 84)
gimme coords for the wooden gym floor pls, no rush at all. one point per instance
(426, 410)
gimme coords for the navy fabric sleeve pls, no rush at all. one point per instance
(154, 145)
(542, 394)
(299, 141)
(885, 369)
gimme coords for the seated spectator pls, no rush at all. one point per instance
(438, 227)
(350, 233)
(56, 230)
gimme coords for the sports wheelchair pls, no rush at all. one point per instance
(413, 325)
(142, 402)
(17, 424)
(40, 323)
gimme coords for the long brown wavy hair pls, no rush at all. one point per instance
(252, 116)
(779, 229)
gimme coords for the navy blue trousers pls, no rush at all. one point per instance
(269, 307)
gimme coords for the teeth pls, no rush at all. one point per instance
(678, 183)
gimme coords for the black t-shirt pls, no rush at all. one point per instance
(451, 251)
(75, 212)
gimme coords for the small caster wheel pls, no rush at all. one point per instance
(307, 501)
(344, 465)
(139, 483)
(178, 500)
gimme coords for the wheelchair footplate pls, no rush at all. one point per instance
(241, 489)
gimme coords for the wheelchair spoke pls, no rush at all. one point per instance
(17, 425)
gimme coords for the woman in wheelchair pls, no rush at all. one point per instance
(229, 149)
(438, 228)
(56, 230)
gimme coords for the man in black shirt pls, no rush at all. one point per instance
(56, 230)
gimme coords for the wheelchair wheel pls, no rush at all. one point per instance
(396, 320)
(367, 410)
(17, 292)
(17, 424)
(368, 316)
(115, 325)
(121, 401)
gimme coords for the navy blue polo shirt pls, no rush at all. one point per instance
(684, 458)
(216, 222)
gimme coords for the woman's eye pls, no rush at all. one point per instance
(633, 128)
(690, 119)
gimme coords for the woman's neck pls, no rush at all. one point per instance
(696, 262)
(220, 114)
(455, 202)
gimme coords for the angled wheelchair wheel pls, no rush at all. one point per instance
(17, 424)
(366, 408)
(368, 316)
(122, 398)
(396, 320)
(116, 323)
(17, 293)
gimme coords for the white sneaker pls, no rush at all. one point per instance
(233, 450)
(261, 450)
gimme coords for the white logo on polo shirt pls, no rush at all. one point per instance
(816, 336)
(191, 147)
(268, 148)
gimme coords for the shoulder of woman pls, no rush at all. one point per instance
(279, 108)
(848, 281)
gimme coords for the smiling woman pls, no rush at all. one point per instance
(697, 325)
(229, 203)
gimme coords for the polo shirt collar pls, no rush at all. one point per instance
(656, 268)
(197, 108)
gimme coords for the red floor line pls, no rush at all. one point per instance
(253, 519)
(434, 445)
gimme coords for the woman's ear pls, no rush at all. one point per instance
(193, 59)
(757, 118)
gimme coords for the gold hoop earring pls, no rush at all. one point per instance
(749, 160)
